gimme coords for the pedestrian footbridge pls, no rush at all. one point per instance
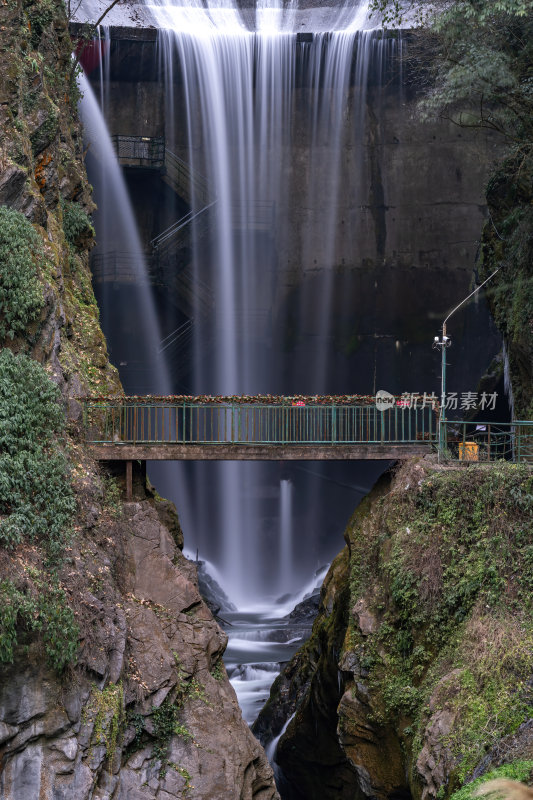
(273, 428)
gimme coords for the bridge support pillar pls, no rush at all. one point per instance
(129, 481)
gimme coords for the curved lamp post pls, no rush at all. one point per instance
(443, 343)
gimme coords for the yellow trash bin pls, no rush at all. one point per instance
(468, 451)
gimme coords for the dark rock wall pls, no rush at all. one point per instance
(417, 677)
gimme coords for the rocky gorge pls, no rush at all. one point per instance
(147, 711)
(417, 678)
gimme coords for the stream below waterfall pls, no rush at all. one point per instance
(261, 637)
(258, 645)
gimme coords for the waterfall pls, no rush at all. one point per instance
(507, 380)
(272, 746)
(245, 99)
(230, 114)
(117, 233)
(286, 536)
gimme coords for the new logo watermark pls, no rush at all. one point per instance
(453, 401)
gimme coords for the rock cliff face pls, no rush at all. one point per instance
(417, 676)
(43, 176)
(143, 708)
(148, 710)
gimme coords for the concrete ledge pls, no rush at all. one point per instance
(257, 452)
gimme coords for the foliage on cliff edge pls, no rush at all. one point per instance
(443, 566)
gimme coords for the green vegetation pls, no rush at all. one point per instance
(508, 243)
(76, 225)
(218, 671)
(166, 725)
(41, 14)
(112, 496)
(107, 705)
(516, 771)
(22, 257)
(165, 718)
(46, 611)
(449, 567)
(36, 505)
(185, 774)
(36, 499)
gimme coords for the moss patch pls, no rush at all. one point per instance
(445, 564)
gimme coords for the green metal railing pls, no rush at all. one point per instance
(140, 151)
(488, 441)
(146, 422)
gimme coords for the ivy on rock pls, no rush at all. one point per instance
(22, 257)
(36, 499)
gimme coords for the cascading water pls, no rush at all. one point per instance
(116, 226)
(229, 100)
(231, 111)
(286, 534)
(129, 319)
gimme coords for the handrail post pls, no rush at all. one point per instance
(333, 424)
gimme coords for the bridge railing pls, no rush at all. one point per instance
(489, 441)
(140, 151)
(254, 423)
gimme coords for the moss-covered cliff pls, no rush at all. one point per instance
(418, 676)
(42, 177)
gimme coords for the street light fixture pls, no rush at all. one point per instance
(443, 343)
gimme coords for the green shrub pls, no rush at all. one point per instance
(516, 771)
(45, 611)
(22, 256)
(108, 706)
(36, 499)
(76, 224)
(166, 725)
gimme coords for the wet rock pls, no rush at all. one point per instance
(374, 751)
(168, 516)
(213, 594)
(43, 124)
(435, 761)
(517, 746)
(157, 638)
(305, 611)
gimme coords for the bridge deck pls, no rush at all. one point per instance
(279, 428)
(257, 452)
